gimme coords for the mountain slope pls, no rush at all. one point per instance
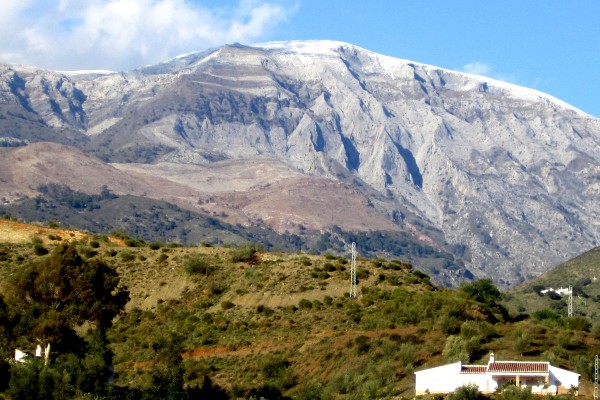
(580, 273)
(463, 161)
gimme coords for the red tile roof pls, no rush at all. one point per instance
(473, 369)
(517, 366)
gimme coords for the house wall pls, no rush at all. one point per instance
(447, 378)
(563, 378)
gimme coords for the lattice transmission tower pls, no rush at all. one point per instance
(570, 305)
(353, 273)
(596, 378)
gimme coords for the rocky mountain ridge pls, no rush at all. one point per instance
(461, 161)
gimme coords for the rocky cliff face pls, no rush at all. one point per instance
(506, 176)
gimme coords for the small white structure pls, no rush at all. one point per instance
(40, 352)
(20, 356)
(541, 377)
(561, 291)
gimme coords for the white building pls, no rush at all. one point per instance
(542, 377)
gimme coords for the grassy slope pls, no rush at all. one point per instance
(284, 320)
(582, 273)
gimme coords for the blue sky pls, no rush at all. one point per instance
(549, 45)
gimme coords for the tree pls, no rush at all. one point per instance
(61, 291)
(455, 349)
(483, 291)
(5, 328)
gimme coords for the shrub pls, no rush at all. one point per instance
(449, 324)
(95, 244)
(197, 265)
(306, 261)
(455, 350)
(362, 343)
(227, 305)
(127, 256)
(39, 249)
(245, 253)
(329, 267)
(134, 242)
(578, 323)
(406, 354)
(541, 315)
(516, 393)
(596, 330)
(304, 303)
(274, 367)
(467, 392)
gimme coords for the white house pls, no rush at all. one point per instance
(542, 377)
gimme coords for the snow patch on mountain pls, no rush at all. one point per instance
(388, 64)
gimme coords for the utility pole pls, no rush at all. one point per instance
(353, 273)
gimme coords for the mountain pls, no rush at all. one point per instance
(320, 135)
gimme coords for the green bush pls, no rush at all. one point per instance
(134, 242)
(126, 255)
(516, 393)
(467, 392)
(329, 267)
(362, 343)
(39, 249)
(245, 253)
(227, 305)
(407, 354)
(197, 265)
(545, 314)
(578, 323)
(455, 350)
(305, 304)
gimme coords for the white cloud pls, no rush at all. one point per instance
(484, 69)
(124, 34)
(476, 68)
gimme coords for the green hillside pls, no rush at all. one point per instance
(582, 273)
(237, 322)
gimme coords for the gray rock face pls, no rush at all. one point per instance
(508, 173)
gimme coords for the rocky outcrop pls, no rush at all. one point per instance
(508, 175)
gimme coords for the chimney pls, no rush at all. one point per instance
(492, 358)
